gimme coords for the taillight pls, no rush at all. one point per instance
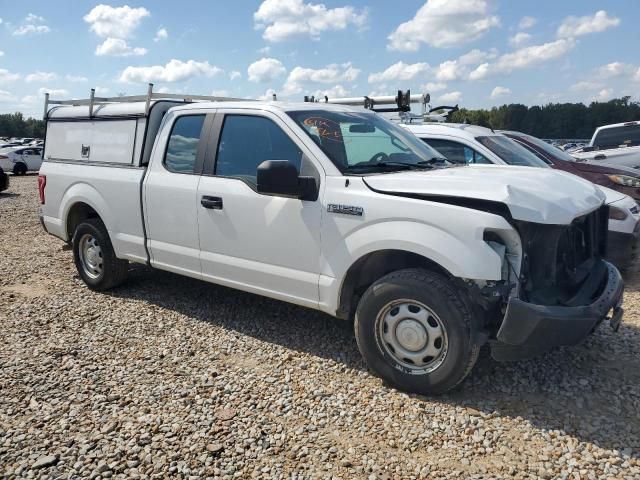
(42, 182)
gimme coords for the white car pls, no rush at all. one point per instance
(473, 144)
(336, 209)
(21, 160)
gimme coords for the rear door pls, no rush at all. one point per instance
(33, 158)
(260, 243)
(170, 192)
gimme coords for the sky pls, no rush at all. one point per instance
(475, 53)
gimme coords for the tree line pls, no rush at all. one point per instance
(15, 125)
(554, 120)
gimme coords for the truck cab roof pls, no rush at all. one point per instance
(463, 130)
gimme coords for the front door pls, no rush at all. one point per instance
(260, 243)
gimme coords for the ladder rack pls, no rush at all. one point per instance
(402, 101)
(94, 101)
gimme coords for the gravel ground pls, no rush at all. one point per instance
(171, 376)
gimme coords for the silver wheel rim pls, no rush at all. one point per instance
(412, 335)
(90, 256)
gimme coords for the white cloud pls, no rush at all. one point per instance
(76, 78)
(500, 92)
(400, 71)
(29, 29)
(283, 19)
(161, 34)
(1, 52)
(235, 74)
(576, 26)
(604, 95)
(117, 47)
(430, 87)
(102, 90)
(173, 71)
(523, 58)
(449, 70)
(527, 22)
(444, 23)
(300, 77)
(615, 69)
(519, 39)
(265, 50)
(41, 77)
(53, 92)
(6, 76)
(220, 93)
(475, 56)
(265, 70)
(32, 24)
(450, 97)
(585, 85)
(636, 76)
(336, 91)
(6, 97)
(115, 22)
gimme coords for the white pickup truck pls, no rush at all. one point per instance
(337, 209)
(617, 144)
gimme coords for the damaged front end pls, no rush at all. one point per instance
(564, 288)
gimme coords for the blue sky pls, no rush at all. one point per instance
(477, 53)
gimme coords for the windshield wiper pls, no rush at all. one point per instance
(433, 160)
(387, 164)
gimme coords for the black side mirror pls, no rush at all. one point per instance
(280, 177)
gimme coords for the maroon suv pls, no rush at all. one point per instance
(623, 179)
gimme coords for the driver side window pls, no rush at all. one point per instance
(246, 141)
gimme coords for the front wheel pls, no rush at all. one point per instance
(94, 257)
(19, 169)
(415, 330)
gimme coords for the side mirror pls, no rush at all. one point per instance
(280, 177)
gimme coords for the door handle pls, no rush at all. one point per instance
(213, 203)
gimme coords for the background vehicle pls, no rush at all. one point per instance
(355, 219)
(21, 160)
(4, 180)
(623, 179)
(473, 144)
(617, 144)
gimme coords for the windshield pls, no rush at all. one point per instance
(510, 152)
(363, 142)
(550, 150)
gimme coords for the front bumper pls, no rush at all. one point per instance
(620, 247)
(528, 330)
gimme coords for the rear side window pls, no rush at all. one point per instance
(614, 137)
(456, 152)
(246, 141)
(182, 149)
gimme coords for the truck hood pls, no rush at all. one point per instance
(537, 195)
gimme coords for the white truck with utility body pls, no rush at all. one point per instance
(336, 209)
(617, 144)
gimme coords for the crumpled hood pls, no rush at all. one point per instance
(540, 195)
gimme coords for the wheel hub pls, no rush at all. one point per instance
(90, 256)
(411, 335)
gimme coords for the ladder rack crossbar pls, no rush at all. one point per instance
(94, 101)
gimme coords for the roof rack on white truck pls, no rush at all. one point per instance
(333, 207)
(402, 101)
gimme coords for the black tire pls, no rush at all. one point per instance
(113, 271)
(19, 169)
(439, 295)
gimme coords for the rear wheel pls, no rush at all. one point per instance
(95, 258)
(415, 330)
(19, 169)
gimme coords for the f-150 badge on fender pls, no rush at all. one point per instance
(345, 209)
